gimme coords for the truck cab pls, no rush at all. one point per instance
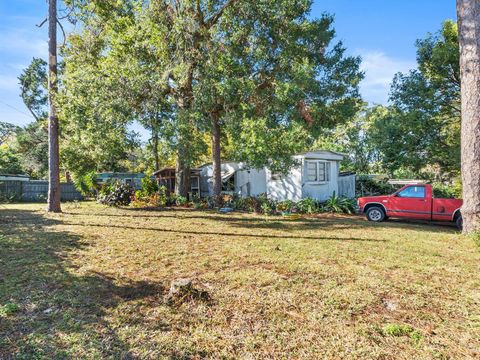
(415, 201)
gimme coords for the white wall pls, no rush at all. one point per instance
(321, 191)
(250, 182)
(289, 187)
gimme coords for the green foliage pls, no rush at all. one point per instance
(149, 186)
(421, 130)
(115, 194)
(31, 145)
(354, 139)
(337, 204)
(366, 186)
(447, 191)
(9, 161)
(286, 206)
(7, 131)
(86, 183)
(33, 88)
(151, 195)
(307, 206)
(181, 201)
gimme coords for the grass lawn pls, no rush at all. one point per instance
(91, 283)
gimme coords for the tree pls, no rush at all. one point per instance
(246, 71)
(357, 139)
(469, 29)
(33, 88)
(53, 202)
(31, 146)
(7, 130)
(420, 132)
(9, 162)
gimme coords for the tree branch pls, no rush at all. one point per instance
(214, 19)
(63, 32)
(42, 23)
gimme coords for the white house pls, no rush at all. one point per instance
(316, 176)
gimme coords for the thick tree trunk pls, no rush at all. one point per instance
(468, 12)
(182, 175)
(216, 155)
(53, 147)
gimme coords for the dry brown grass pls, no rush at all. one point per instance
(90, 283)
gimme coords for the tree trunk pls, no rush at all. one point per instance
(182, 175)
(53, 147)
(155, 149)
(468, 12)
(216, 155)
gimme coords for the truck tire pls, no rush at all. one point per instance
(459, 223)
(375, 214)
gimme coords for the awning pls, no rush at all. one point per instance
(225, 176)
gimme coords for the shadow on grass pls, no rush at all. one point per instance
(307, 222)
(187, 232)
(53, 307)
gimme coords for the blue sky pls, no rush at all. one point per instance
(382, 32)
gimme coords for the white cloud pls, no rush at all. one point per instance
(379, 70)
(19, 42)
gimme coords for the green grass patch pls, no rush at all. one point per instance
(8, 309)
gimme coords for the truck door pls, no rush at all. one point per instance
(412, 202)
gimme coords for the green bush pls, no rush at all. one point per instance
(337, 204)
(366, 186)
(447, 191)
(181, 201)
(286, 206)
(307, 206)
(157, 199)
(115, 194)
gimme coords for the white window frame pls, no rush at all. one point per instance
(326, 169)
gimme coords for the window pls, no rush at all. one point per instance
(318, 171)
(195, 184)
(412, 192)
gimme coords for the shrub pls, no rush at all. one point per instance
(157, 199)
(307, 206)
(365, 186)
(149, 186)
(286, 206)
(337, 204)
(181, 201)
(447, 191)
(115, 194)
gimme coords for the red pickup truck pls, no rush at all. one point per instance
(413, 202)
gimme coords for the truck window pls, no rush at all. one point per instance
(412, 192)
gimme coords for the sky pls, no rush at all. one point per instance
(382, 32)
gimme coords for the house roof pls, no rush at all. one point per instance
(195, 170)
(319, 151)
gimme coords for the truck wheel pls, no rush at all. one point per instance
(375, 214)
(459, 222)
